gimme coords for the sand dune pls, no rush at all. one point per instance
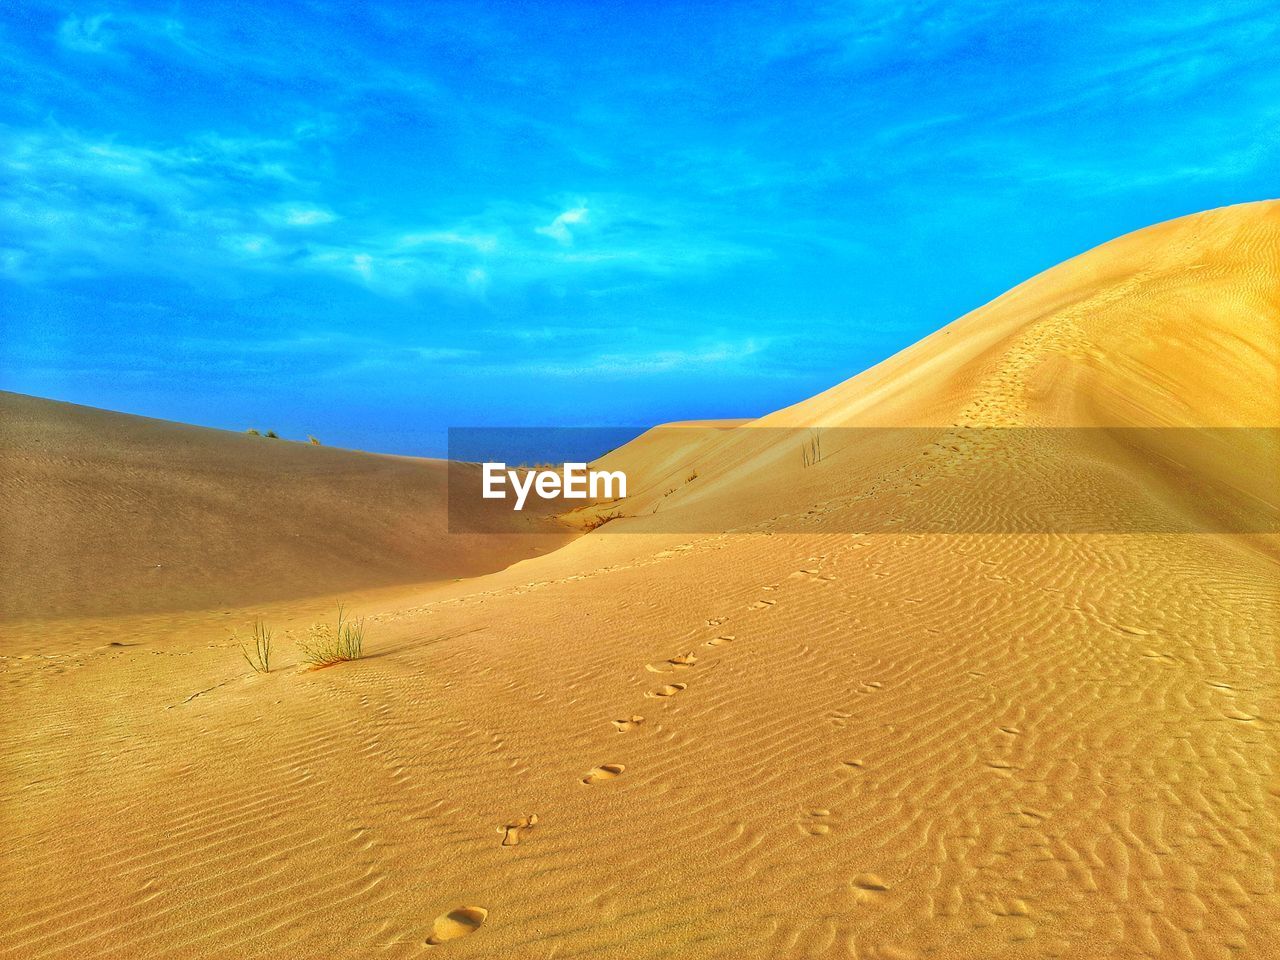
(772, 744)
(105, 513)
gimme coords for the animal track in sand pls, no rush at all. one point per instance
(606, 771)
(720, 641)
(667, 690)
(456, 923)
(512, 831)
(628, 723)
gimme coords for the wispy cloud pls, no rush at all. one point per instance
(79, 201)
(558, 229)
(642, 363)
(585, 193)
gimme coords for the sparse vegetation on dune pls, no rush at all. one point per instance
(271, 434)
(593, 523)
(811, 452)
(313, 440)
(326, 645)
(260, 658)
(252, 431)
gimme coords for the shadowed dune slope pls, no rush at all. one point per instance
(107, 513)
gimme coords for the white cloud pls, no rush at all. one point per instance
(481, 243)
(307, 216)
(107, 33)
(362, 264)
(721, 355)
(558, 229)
(85, 34)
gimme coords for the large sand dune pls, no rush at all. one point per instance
(106, 513)
(772, 744)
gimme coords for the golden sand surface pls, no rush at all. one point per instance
(794, 741)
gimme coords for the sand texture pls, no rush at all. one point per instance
(793, 741)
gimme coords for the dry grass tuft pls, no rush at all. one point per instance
(811, 452)
(326, 645)
(260, 659)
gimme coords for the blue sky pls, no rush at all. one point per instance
(370, 222)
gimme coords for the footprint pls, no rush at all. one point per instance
(511, 837)
(1240, 715)
(867, 886)
(813, 823)
(456, 923)
(810, 573)
(854, 764)
(606, 771)
(627, 724)
(673, 663)
(668, 690)
(720, 641)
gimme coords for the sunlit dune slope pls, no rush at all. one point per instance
(746, 731)
(106, 513)
(1174, 326)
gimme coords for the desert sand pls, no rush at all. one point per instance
(788, 741)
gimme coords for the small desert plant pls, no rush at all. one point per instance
(273, 435)
(260, 659)
(326, 645)
(596, 522)
(811, 452)
(692, 477)
(253, 432)
(312, 440)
